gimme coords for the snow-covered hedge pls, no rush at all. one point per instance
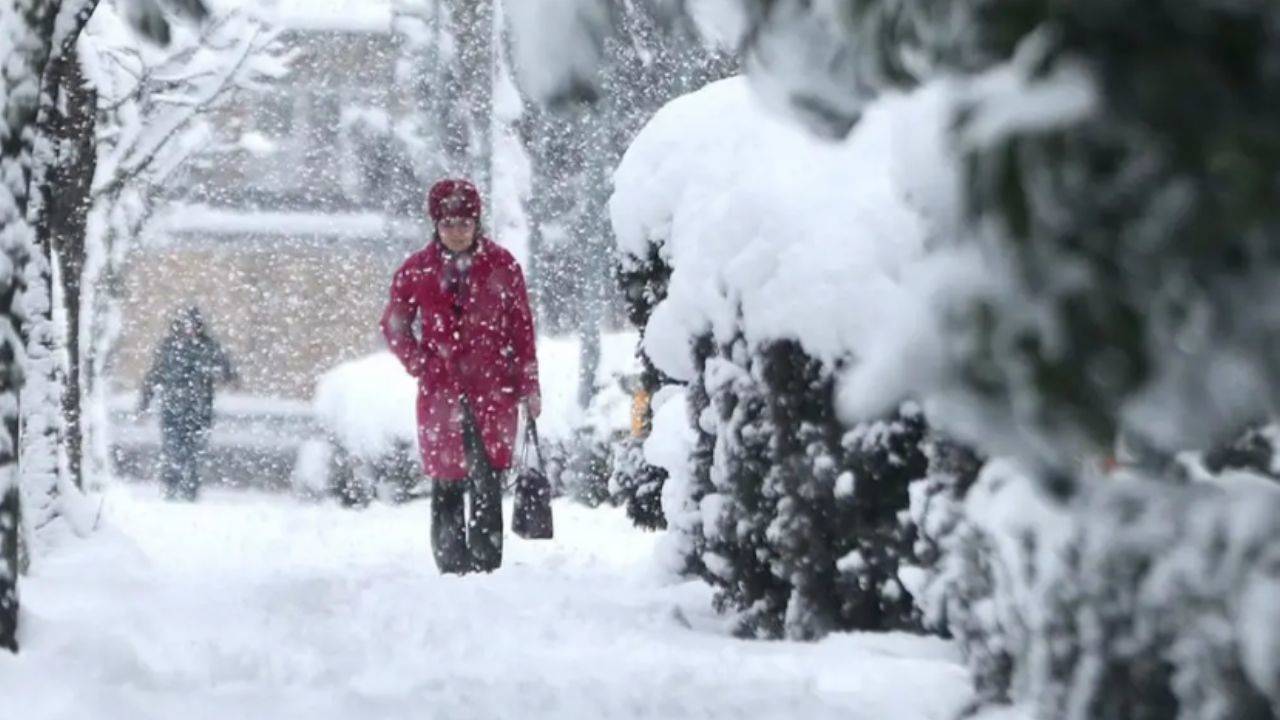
(806, 300)
(1140, 599)
(772, 234)
(790, 268)
(789, 262)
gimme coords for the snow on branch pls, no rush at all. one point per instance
(157, 101)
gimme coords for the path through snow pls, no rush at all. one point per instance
(251, 606)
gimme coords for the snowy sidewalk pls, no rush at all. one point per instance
(250, 606)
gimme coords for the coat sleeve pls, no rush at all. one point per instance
(523, 338)
(397, 323)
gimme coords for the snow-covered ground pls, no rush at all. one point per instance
(252, 606)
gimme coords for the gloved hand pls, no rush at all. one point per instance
(533, 405)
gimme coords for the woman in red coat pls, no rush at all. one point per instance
(459, 321)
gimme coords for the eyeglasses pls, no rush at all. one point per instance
(456, 222)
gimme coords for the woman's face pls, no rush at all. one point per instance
(457, 234)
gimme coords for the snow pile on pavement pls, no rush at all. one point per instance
(247, 605)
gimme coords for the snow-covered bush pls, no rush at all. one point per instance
(1117, 203)
(637, 485)
(635, 482)
(580, 465)
(1142, 600)
(751, 290)
(366, 408)
(1253, 450)
(951, 578)
(838, 493)
(791, 516)
(1047, 260)
(310, 476)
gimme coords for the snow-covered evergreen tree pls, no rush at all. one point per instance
(638, 484)
(682, 504)
(737, 518)
(876, 464)
(28, 35)
(1152, 196)
(839, 495)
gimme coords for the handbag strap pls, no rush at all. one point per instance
(531, 436)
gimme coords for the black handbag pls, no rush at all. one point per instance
(531, 515)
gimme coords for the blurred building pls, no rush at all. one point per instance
(285, 236)
(284, 239)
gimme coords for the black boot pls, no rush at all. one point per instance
(448, 526)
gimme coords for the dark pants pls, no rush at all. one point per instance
(182, 447)
(460, 546)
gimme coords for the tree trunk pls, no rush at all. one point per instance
(62, 177)
(27, 30)
(69, 218)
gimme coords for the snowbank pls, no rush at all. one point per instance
(780, 235)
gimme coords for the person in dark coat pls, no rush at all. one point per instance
(188, 363)
(459, 321)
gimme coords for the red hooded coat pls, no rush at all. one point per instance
(473, 340)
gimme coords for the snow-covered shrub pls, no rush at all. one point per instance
(583, 465)
(839, 494)
(637, 485)
(949, 574)
(366, 408)
(1124, 240)
(1042, 256)
(881, 459)
(790, 515)
(635, 482)
(1166, 582)
(1142, 599)
(738, 516)
(683, 443)
(1253, 450)
(744, 278)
